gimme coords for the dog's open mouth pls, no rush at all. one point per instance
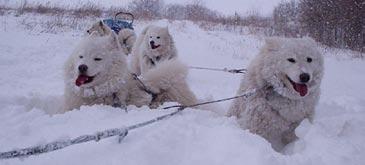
(302, 89)
(83, 79)
(153, 46)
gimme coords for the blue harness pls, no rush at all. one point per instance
(116, 25)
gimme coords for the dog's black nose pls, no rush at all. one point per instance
(88, 31)
(83, 68)
(304, 77)
(152, 42)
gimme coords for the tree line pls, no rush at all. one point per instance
(336, 23)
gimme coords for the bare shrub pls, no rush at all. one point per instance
(335, 23)
(197, 11)
(44, 9)
(20, 9)
(2, 11)
(28, 23)
(114, 10)
(252, 22)
(146, 9)
(254, 19)
(88, 10)
(175, 12)
(286, 20)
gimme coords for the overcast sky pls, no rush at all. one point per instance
(264, 7)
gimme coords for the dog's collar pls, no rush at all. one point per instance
(153, 62)
(143, 87)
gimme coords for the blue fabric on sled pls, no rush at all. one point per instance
(117, 25)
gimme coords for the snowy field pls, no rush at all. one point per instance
(31, 86)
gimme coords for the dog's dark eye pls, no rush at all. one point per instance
(291, 60)
(309, 60)
(81, 56)
(150, 36)
(97, 59)
(158, 37)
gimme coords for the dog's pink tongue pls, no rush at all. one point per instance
(301, 88)
(81, 80)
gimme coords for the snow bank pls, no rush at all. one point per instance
(31, 87)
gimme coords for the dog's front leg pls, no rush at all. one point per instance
(120, 99)
(146, 64)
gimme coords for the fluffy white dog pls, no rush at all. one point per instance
(126, 37)
(287, 74)
(97, 73)
(154, 45)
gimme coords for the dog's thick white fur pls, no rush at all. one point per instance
(106, 79)
(126, 37)
(287, 74)
(168, 81)
(153, 45)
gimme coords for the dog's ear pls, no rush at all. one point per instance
(310, 41)
(144, 31)
(101, 24)
(94, 34)
(272, 43)
(167, 28)
(114, 41)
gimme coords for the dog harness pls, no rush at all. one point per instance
(144, 87)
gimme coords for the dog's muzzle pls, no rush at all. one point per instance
(301, 88)
(153, 46)
(83, 79)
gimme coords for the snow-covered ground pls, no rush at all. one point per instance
(31, 87)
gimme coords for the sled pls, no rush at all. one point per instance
(121, 20)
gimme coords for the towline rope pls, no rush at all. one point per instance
(242, 71)
(121, 132)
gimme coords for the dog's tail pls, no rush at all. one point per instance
(135, 51)
(144, 31)
(142, 36)
(127, 38)
(169, 78)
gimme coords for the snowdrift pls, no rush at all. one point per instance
(31, 86)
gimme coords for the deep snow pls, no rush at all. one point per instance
(31, 85)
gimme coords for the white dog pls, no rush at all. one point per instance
(126, 37)
(97, 73)
(155, 44)
(286, 74)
